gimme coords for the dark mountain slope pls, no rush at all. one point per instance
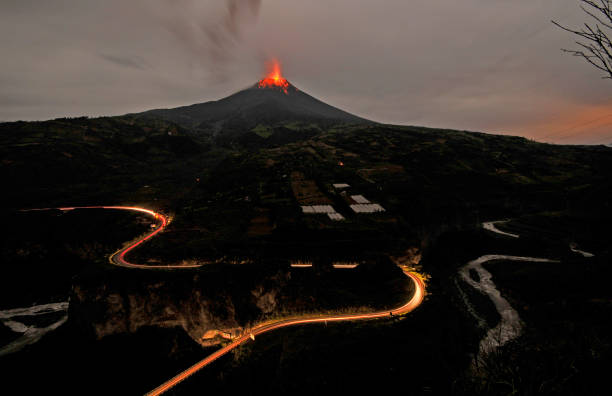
(257, 105)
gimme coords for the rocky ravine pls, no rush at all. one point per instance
(202, 307)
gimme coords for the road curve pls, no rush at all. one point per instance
(118, 258)
(409, 306)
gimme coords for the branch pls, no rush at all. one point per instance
(597, 47)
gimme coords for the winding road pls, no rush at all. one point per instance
(118, 258)
(409, 306)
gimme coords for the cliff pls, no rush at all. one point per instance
(206, 305)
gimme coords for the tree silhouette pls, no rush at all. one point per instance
(595, 43)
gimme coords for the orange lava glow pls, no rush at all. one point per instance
(274, 78)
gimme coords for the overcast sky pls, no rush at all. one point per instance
(482, 65)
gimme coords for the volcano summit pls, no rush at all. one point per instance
(272, 101)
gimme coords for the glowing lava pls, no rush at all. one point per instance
(274, 78)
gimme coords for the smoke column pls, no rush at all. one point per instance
(210, 31)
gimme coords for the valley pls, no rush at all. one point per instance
(269, 209)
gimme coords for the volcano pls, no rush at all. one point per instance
(270, 102)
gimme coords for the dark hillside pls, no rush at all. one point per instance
(78, 160)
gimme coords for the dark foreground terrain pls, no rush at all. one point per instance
(234, 188)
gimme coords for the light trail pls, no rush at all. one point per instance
(408, 307)
(118, 258)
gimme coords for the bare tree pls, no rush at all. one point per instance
(595, 37)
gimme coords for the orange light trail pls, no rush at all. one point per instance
(118, 258)
(408, 307)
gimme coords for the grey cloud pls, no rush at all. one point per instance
(212, 32)
(239, 12)
(487, 65)
(125, 61)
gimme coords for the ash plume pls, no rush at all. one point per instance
(240, 12)
(211, 30)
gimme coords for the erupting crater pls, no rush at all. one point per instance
(274, 78)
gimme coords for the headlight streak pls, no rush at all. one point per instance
(118, 258)
(414, 302)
